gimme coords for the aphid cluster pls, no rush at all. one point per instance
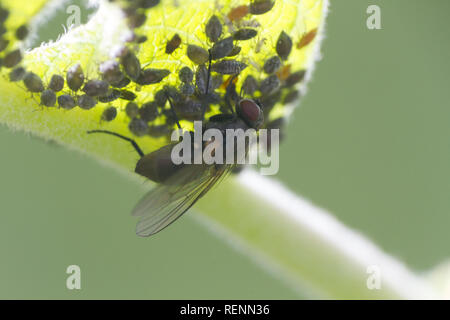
(209, 83)
(10, 57)
(215, 81)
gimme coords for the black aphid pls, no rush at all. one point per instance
(148, 111)
(269, 84)
(236, 50)
(197, 54)
(245, 34)
(291, 96)
(222, 48)
(109, 114)
(201, 79)
(17, 74)
(295, 78)
(250, 85)
(211, 98)
(127, 95)
(56, 83)
(170, 116)
(228, 67)
(213, 29)
(86, 102)
(131, 9)
(173, 44)
(187, 89)
(284, 45)
(123, 83)
(132, 110)
(152, 76)
(66, 101)
(3, 44)
(147, 4)
(75, 77)
(22, 32)
(4, 14)
(33, 82)
(112, 95)
(48, 98)
(173, 93)
(261, 6)
(161, 98)
(111, 72)
(269, 100)
(272, 65)
(161, 130)
(136, 20)
(186, 75)
(138, 127)
(190, 109)
(131, 65)
(216, 82)
(141, 39)
(12, 59)
(96, 88)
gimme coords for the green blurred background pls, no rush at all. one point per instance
(370, 143)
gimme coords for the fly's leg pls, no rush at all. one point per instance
(133, 143)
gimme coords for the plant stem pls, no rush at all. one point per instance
(302, 243)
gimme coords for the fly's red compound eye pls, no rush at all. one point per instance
(249, 109)
(250, 112)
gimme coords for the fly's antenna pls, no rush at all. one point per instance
(173, 110)
(232, 94)
(208, 79)
(133, 143)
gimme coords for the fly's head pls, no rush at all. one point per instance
(250, 111)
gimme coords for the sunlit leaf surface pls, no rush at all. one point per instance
(112, 29)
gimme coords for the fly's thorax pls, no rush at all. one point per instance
(221, 122)
(237, 137)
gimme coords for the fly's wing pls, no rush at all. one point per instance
(167, 202)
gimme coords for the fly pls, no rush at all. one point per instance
(181, 186)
